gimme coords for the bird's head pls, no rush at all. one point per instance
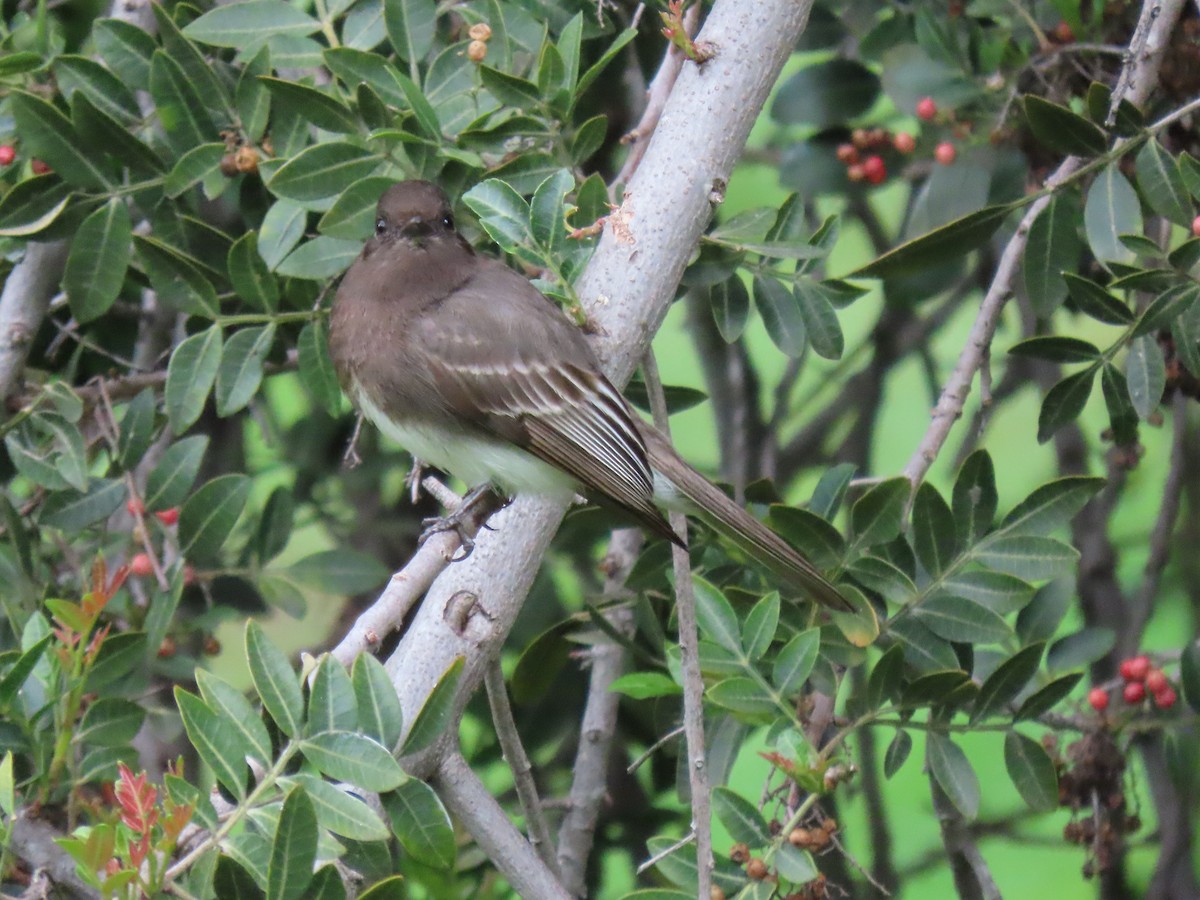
(413, 211)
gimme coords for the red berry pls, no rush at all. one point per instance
(1196, 226)
(1138, 668)
(874, 169)
(1098, 699)
(1165, 698)
(135, 506)
(847, 153)
(39, 167)
(168, 516)
(141, 565)
(1135, 692)
(945, 153)
(8, 153)
(926, 109)
(904, 142)
(1063, 33)
(1156, 681)
(855, 172)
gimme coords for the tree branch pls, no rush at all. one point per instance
(23, 304)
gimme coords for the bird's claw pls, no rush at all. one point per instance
(452, 522)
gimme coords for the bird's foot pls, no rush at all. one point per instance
(466, 520)
(412, 480)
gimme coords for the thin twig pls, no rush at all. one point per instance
(667, 851)
(650, 751)
(518, 763)
(689, 644)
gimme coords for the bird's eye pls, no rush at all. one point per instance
(448, 221)
(380, 225)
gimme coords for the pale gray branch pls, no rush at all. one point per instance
(23, 304)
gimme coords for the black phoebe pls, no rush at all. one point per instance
(470, 368)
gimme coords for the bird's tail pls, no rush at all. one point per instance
(679, 485)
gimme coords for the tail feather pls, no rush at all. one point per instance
(698, 496)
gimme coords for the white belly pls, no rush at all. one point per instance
(472, 459)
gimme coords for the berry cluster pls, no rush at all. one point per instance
(1141, 678)
(815, 837)
(141, 565)
(863, 154)
(479, 33)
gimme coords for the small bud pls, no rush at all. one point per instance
(168, 516)
(848, 154)
(167, 648)
(874, 169)
(246, 160)
(855, 173)
(141, 565)
(480, 31)
(39, 168)
(229, 165)
(739, 853)
(799, 837)
(1156, 681)
(476, 51)
(1165, 698)
(135, 506)
(756, 869)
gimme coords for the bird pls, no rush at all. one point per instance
(468, 366)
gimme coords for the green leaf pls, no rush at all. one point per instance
(32, 205)
(168, 483)
(294, 849)
(1000, 593)
(379, 713)
(209, 515)
(100, 254)
(249, 275)
(952, 770)
(1064, 402)
(1047, 698)
(1032, 771)
(962, 620)
(15, 678)
(1029, 557)
(644, 685)
(934, 536)
(1040, 619)
(354, 67)
(126, 49)
(319, 259)
(819, 540)
(180, 105)
(75, 510)
(340, 571)
(502, 212)
(974, 500)
(421, 823)
(282, 228)
(1146, 375)
(1062, 130)
(193, 167)
(1096, 302)
(780, 311)
(1056, 348)
(1006, 681)
(16, 63)
(249, 23)
(717, 620)
(316, 368)
(217, 740)
(886, 678)
(228, 702)
(795, 662)
(509, 89)
(1111, 209)
(1051, 505)
(323, 170)
(435, 714)
(730, 304)
(122, 658)
(318, 107)
(937, 688)
(1166, 307)
(177, 278)
(392, 888)
(618, 44)
(110, 722)
(1162, 184)
(826, 93)
(423, 111)
(241, 369)
(740, 817)
(354, 758)
(743, 695)
(252, 98)
(47, 134)
(410, 27)
(546, 211)
(1080, 649)
(274, 680)
(341, 812)
(758, 631)
(820, 321)
(1052, 247)
(332, 705)
(190, 376)
(954, 239)
(897, 753)
(877, 515)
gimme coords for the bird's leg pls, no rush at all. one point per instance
(471, 515)
(412, 480)
(351, 459)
